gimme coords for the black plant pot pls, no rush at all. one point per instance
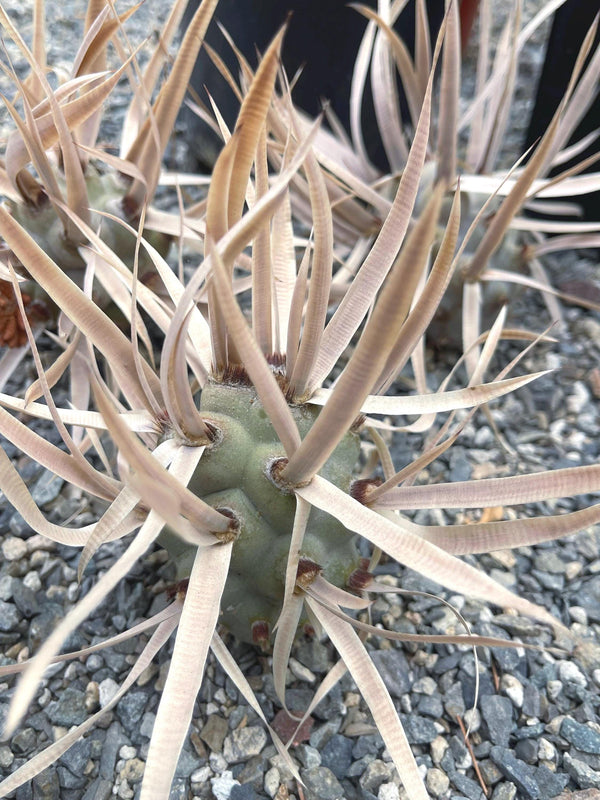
(569, 28)
(323, 37)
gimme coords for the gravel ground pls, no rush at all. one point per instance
(535, 733)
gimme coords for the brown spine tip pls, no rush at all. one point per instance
(361, 489)
(177, 591)
(359, 580)
(308, 571)
(131, 210)
(261, 633)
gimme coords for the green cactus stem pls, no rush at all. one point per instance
(234, 474)
(106, 191)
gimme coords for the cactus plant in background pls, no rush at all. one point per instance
(238, 445)
(468, 136)
(55, 173)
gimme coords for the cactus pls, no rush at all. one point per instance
(58, 181)
(467, 147)
(239, 445)
(235, 475)
(106, 192)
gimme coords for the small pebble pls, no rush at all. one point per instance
(437, 782)
(272, 781)
(388, 791)
(569, 672)
(513, 689)
(222, 785)
(14, 548)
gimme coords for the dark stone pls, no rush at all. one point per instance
(337, 755)
(131, 708)
(68, 780)
(530, 731)
(100, 789)
(24, 741)
(370, 745)
(77, 756)
(42, 625)
(112, 744)
(46, 488)
(516, 771)
(550, 783)
(321, 784)
(9, 616)
(69, 709)
(536, 783)
(454, 701)
(243, 792)
(589, 597)
(497, 713)
(24, 792)
(468, 787)
(394, 670)
(458, 748)
(584, 776)
(527, 750)
(419, 730)
(25, 600)
(430, 706)
(531, 700)
(580, 736)
(46, 785)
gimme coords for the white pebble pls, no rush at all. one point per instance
(546, 750)
(107, 689)
(223, 784)
(579, 397)
(201, 775)
(438, 749)
(473, 719)
(126, 752)
(217, 763)
(32, 581)
(388, 791)
(272, 781)
(554, 688)
(569, 672)
(301, 672)
(513, 689)
(425, 685)
(437, 782)
(13, 548)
